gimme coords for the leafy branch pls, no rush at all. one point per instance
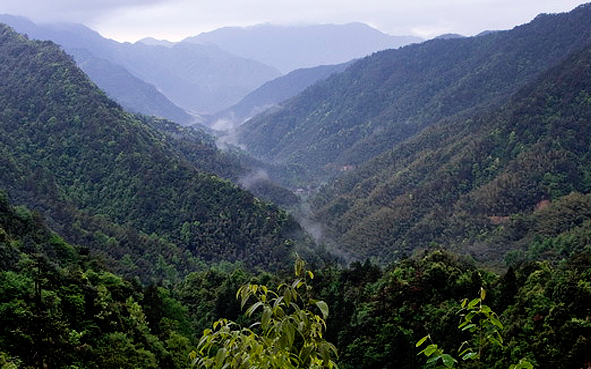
(287, 335)
(485, 326)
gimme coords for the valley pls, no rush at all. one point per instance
(142, 184)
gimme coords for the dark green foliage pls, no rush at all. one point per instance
(475, 183)
(58, 307)
(59, 310)
(544, 311)
(200, 150)
(107, 180)
(392, 95)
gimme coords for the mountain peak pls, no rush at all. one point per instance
(290, 47)
(155, 42)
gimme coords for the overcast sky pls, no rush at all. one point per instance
(130, 20)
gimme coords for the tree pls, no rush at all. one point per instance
(483, 323)
(287, 333)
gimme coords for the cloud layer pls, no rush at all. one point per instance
(175, 19)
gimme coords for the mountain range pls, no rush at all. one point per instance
(276, 91)
(413, 147)
(110, 181)
(295, 47)
(443, 171)
(197, 78)
(419, 146)
(198, 75)
(383, 99)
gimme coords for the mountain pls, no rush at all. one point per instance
(278, 90)
(232, 164)
(104, 179)
(197, 78)
(131, 92)
(294, 47)
(508, 181)
(385, 98)
(154, 42)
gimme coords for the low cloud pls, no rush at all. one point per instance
(75, 11)
(228, 135)
(253, 178)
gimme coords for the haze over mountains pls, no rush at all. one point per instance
(198, 78)
(74, 155)
(391, 95)
(345, 125)
(386, 135)
(197, 75)
(276, 91)
(464, 164)
(293, 47)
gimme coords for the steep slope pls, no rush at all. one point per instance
(201, 150)
(280, 89)
(487, 184)
(58, 302)
(198, 78)
(131, 92)
(385, 98)
(288, 48)
(134, 94)
(96, 172)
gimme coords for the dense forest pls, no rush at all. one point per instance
(463, 236)
(489, 184)
(106, 179)
(61, 308)
(392, 95)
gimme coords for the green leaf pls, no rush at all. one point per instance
(473, 303)
(469, 326)
(433, 359)
(429, 350)
(323, 308)
(253, 308)
(495, 341)
(266, 318)
(470, 355)
(448, 361)
(496, 322)
(422, 340)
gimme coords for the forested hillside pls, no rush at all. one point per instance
(276, 91)
(233, 164)
(60, 308)
(464, 190)
(122, 86)
(488, 184)
(105, 179)
(392, 95)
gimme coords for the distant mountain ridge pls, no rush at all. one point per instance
(278, 90)
(288, 48)
(197, 78)
(121, 85)
(385, 98)
(131, 92)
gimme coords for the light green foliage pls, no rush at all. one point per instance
(287, 333)
(483, 323)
